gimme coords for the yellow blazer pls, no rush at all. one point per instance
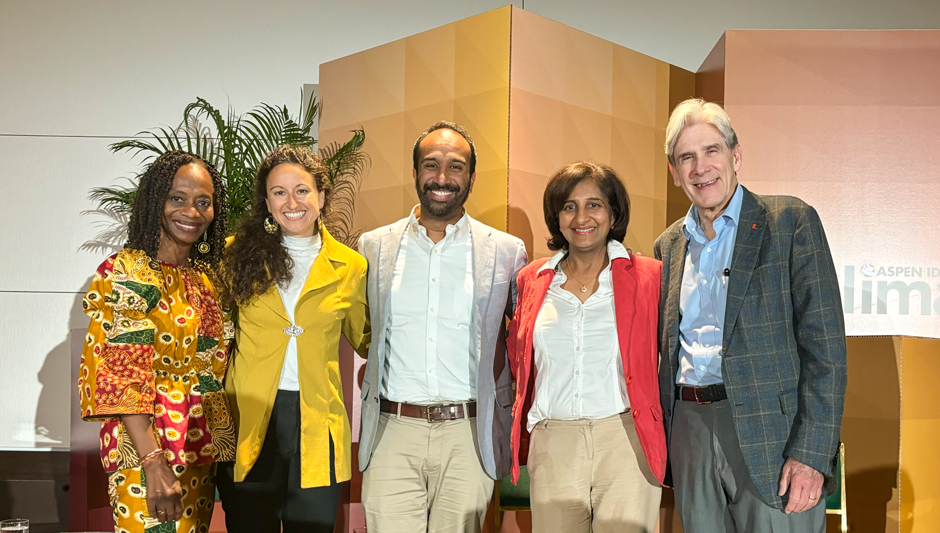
(333, 301)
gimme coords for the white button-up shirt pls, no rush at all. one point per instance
(579, 371)
(704, 295)
(429, 358)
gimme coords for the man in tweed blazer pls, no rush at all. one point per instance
(437, 392)
(753, 361)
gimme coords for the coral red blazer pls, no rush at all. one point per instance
(636, 304)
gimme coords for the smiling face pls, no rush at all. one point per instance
(443, 179)
(706, 168)
(294, 200)
(585, 218)
(187, 213)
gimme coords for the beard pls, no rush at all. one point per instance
(442, 209)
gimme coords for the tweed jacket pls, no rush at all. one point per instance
(332, 302)
(636, 305)
(497, 258)
(783, 346)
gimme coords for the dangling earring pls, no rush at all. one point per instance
(270, 226)
(204, 247)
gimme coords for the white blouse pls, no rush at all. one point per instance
(579, 371)
(302, 250)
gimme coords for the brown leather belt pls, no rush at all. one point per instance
(431, 413)
(702, 395)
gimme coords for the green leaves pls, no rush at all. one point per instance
(236, 145)
(347, 163)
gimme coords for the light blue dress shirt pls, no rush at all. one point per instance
(704, 294)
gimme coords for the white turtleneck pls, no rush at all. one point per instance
(302, 250)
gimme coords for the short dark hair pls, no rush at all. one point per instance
(566, 179)
(453, 126)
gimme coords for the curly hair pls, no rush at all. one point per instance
(145, 227)
(565, 179)
(256, 259)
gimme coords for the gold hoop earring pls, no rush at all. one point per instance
(270, 226)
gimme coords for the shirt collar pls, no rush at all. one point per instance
(731, 215)
(458, 230)
(615, 250)
(302, 244)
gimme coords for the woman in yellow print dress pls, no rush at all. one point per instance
(156, 352)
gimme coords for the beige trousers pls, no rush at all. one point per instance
(425, 476)
(591, 476)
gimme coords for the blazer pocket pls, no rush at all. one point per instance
(788, 401)
(504, 396)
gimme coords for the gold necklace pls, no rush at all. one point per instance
(583, 285)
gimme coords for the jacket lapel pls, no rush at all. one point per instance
(272, 299)
(388, 254)
(539, 288)
(321, 272)
(747, 243)
(484, 268)
(676, 247)
(624, 281)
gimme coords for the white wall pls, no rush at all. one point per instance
(78, 75)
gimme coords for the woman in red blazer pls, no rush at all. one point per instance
(582, 346)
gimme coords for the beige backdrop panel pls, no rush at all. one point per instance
(456, 72)
(575, 96)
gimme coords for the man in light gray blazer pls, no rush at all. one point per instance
(437, 392)
(753, 366)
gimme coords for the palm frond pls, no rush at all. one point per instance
(236, 145)
(346, 158)
(116, 199)
(346, 164)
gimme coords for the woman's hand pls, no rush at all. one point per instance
(164, 493)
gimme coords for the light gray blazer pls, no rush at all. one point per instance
(497, 257)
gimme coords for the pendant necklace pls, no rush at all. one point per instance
(583, 285)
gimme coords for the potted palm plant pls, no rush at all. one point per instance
(236, 145)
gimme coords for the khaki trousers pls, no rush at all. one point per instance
(591, 476)
(425, 476)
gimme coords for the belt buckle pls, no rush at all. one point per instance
(698, 400)
(452, 408)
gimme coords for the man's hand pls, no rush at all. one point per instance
(804, 483)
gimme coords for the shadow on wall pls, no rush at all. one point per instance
(35, 484)
(871, 431)
(520, 226)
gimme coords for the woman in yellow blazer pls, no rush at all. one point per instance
(296, 290)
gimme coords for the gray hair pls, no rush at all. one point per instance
(697, 111)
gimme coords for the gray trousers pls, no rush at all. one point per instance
(714, 492)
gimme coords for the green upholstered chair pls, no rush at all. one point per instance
(835, 503)
(511, 497)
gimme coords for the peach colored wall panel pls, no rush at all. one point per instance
(847, 120)
(575, 96)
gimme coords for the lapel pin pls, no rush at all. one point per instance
(757, 226)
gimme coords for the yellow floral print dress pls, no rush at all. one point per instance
(157, 344)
